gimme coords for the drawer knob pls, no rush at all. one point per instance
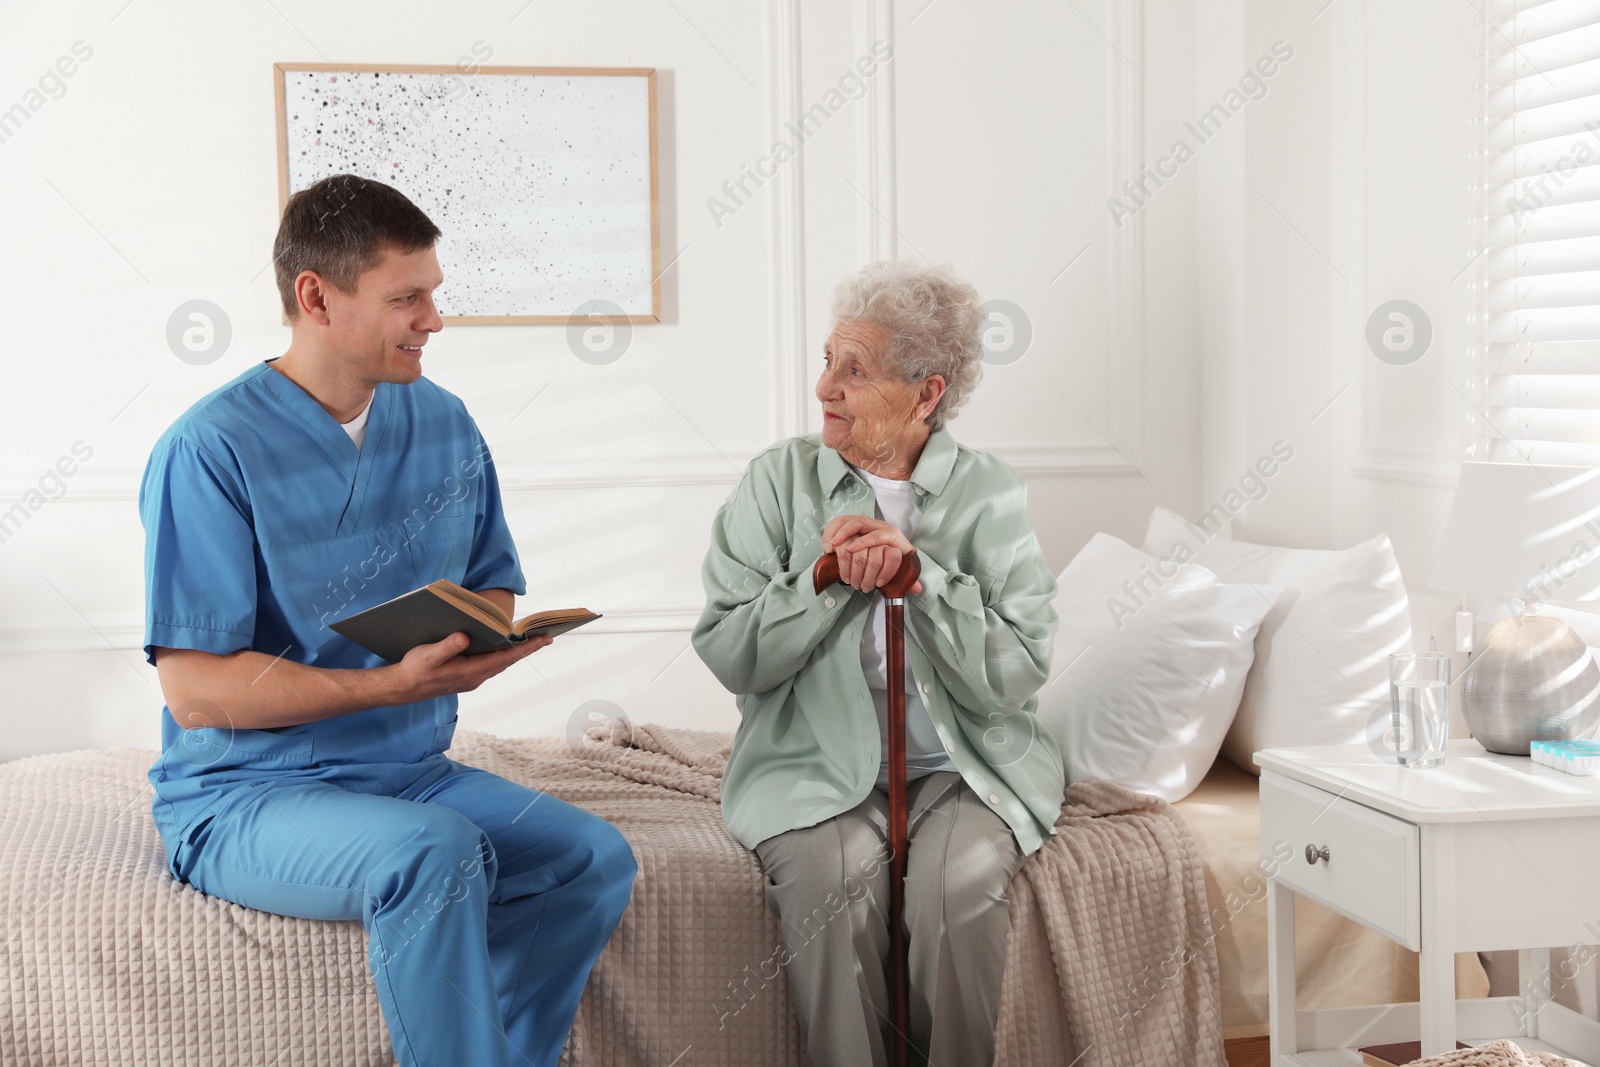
(1313, 854)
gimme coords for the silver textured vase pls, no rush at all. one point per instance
(1534, 680)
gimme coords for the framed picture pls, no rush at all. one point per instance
(543, 179)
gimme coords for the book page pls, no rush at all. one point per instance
(450, 589)
(552, 615)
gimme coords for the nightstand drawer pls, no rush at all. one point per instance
(1371, 869)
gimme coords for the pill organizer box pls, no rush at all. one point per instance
(1574, 757)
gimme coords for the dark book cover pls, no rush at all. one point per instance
(422, 617)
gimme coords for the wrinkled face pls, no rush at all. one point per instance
(379, 329)
(868, 417)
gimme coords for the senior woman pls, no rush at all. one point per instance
(805, 783)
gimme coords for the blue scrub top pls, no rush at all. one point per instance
(264, 523)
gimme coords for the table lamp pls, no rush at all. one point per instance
(1528, 533)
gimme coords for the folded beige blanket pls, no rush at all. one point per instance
(1496, 1054)
(104, 958)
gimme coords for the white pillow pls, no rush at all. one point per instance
(1147, 667)
(1322, 658)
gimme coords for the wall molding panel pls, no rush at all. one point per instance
(1351, 302)
(875, 144)
(115, 479)
(792, 392)
(1125, 106)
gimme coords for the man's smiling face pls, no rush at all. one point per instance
(381, 327)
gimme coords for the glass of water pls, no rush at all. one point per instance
(1419, 702)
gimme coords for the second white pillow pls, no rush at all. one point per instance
(1322, 656)
(1148, 667)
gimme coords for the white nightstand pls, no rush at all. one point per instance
(1484, 853)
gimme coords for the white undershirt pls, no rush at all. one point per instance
(897, 505)
(357, 427)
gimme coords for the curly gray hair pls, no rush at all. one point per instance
(934, 321)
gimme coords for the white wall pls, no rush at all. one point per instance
(991, 141)
(1345, 188)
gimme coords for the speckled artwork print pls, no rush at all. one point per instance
(541, 183)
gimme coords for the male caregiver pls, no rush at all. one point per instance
(301, 774)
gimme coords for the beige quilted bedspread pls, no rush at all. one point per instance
(105, 958)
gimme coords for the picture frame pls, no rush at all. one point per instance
(544, 179)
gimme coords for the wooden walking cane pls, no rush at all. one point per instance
(824, 574)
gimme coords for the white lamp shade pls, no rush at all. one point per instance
(1523, 530)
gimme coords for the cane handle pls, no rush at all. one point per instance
(826, 573)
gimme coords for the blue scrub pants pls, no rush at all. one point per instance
(485, 903)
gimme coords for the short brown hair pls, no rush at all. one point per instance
(339, 227)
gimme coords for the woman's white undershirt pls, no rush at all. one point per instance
(897, 505)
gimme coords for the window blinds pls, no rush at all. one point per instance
(1540, 309)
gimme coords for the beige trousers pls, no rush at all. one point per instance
(829, 886)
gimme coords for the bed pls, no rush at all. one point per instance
(105, 958)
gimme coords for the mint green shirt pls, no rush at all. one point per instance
(978, 639)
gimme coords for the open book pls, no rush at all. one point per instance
(442, 608)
